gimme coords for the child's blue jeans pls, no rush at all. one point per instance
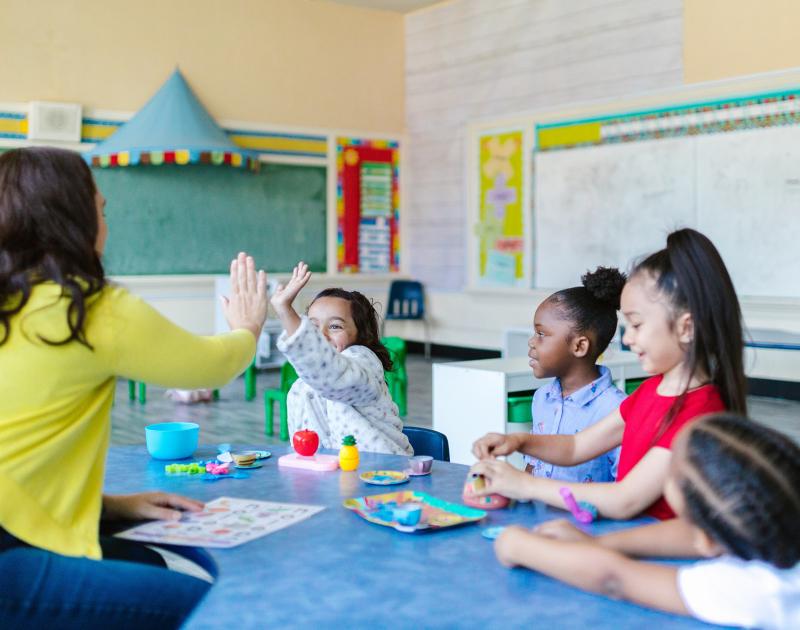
(41, 589)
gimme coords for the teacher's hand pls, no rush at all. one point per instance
(162, 506)
(247, 306)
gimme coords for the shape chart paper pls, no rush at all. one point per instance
(225, 522)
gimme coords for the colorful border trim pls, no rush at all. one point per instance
(771, 109)
(345, 261)
(15, 125)
(179, 156)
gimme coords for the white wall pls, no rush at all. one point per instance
(475, 59)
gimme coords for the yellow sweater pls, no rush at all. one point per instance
(55, 404)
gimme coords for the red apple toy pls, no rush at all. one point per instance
(305, 442)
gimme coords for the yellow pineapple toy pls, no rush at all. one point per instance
(348, 454)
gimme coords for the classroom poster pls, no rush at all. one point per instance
(500, 219)
(367, 205)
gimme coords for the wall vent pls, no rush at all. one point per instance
(60, 122)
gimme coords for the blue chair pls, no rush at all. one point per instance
(428, 442)
(407, 301)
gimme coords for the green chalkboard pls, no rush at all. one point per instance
(193, 219)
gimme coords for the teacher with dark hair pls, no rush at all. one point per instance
(66, 335)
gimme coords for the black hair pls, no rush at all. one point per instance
(365, 318)
(741, 485)
(593, 307)
(48, 229)
(691, 274)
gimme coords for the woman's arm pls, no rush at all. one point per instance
(139, 343)
(147, 505)
(593, 568)
(641, 487)
(561, 450)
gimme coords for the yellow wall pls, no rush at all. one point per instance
(727, 38)
(287, 62)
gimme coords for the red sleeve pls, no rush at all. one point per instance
(699, 403)
(629, 404)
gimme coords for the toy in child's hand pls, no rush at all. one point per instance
(476, 483)
(583, 512)
(348, 454)
(305, 442)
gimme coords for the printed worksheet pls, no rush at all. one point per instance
(225, 522)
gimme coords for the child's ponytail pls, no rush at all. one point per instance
(691, 274)
(593, 307)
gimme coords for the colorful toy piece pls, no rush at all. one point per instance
(476, 483)
(583, 512)
(218, 469)
(348, 454)
(306, 442)
(195, 468)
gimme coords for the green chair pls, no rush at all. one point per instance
(519, 409)
(632, 384)
(271, 396)
(249, 386)
(397, 378)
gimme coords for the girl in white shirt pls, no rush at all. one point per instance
(735, 486)
(337, 353)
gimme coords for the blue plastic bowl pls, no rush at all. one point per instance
(172, 440)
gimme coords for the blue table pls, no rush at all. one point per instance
(335, 569)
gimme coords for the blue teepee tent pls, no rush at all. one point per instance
(172, 128)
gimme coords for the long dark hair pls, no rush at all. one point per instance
(690, 273)
(592, 308)
(48, 229)
(365, 318)
(741, 485)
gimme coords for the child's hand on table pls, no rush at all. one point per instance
(507, 545)
(247, 306)
(148, 506)
(283, 296)
(562, 529)
(495, 444)
(502, 478)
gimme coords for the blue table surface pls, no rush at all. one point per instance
(335, 568)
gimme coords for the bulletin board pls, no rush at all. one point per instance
(367, 205)
(500, 230)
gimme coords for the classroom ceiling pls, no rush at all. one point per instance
(397, 6)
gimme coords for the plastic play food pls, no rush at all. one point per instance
(476, 483)
(305, 442)
(348, 454)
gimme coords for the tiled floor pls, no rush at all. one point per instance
(232, 419)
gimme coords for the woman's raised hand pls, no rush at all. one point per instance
(283, 297)
(247, 306)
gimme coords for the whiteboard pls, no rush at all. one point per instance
(610, 204)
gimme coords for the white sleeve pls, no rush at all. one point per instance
(353, 377)
(738, 592)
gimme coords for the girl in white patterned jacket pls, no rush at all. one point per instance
(337, 353)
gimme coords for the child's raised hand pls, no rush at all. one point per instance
(283, 296)
(561, 529)
(502, 478)
(247, 306)
(494, 444)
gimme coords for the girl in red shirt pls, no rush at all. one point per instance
(684, 323)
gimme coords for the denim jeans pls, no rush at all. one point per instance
(41, 589)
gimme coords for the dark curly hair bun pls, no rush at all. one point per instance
(605, 284)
